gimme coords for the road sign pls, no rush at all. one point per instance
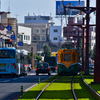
(13, 37)
(9, 28)
(20, 43)
(9, 32)
(1, 40)
(2, 27)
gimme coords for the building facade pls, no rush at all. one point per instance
(55, 34)
(24, 34)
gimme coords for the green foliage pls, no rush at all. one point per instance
(37, 57)
(47, 51)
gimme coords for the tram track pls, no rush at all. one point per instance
(67, 85)
(62, 88)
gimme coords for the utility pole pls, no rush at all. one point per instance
(97, 50)
(83, 47)
(87, 40)
(86, 10)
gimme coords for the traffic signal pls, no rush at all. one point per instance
(8, 41)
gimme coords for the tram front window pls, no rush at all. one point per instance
(67, 57)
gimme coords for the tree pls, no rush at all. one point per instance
(37, 57)
(47, 51)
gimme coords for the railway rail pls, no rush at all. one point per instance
(64, 88)
(66, 81)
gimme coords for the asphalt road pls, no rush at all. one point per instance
(10, 87)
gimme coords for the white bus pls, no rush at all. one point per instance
(12, 62)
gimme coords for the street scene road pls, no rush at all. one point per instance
(11, 87)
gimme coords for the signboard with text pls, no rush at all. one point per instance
(60, 10)
(20, 43)
(13, 37)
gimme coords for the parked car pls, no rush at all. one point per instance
(43, 67)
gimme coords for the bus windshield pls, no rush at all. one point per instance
(7, 54)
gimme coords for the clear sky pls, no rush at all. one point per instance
(39, 7)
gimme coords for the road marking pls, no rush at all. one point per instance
(30, 87)
(15, 78)
(22, 77)
(7, 81)
(31, 74)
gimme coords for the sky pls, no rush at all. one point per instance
(37, 7)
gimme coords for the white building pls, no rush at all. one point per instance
(37, 19)
(56, 34)
(24, 34)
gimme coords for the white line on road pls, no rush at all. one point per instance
(30, 87)
(15, 78)
(6, 80)
(21, 77)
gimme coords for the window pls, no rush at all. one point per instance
(38, 37)
(92, 37)
(20, 37)
(36, 30)
(7, 54)
(74, 32)
(34, 18)
(67, 57)
(43, 37)
(43, 31)
(55, 30)
(29, 18)
(34, 38)
(28, 37)
(24, 37)
(55, 38)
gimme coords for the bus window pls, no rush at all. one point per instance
(7, 54)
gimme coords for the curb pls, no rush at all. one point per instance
(95, 94)
(19, 95)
